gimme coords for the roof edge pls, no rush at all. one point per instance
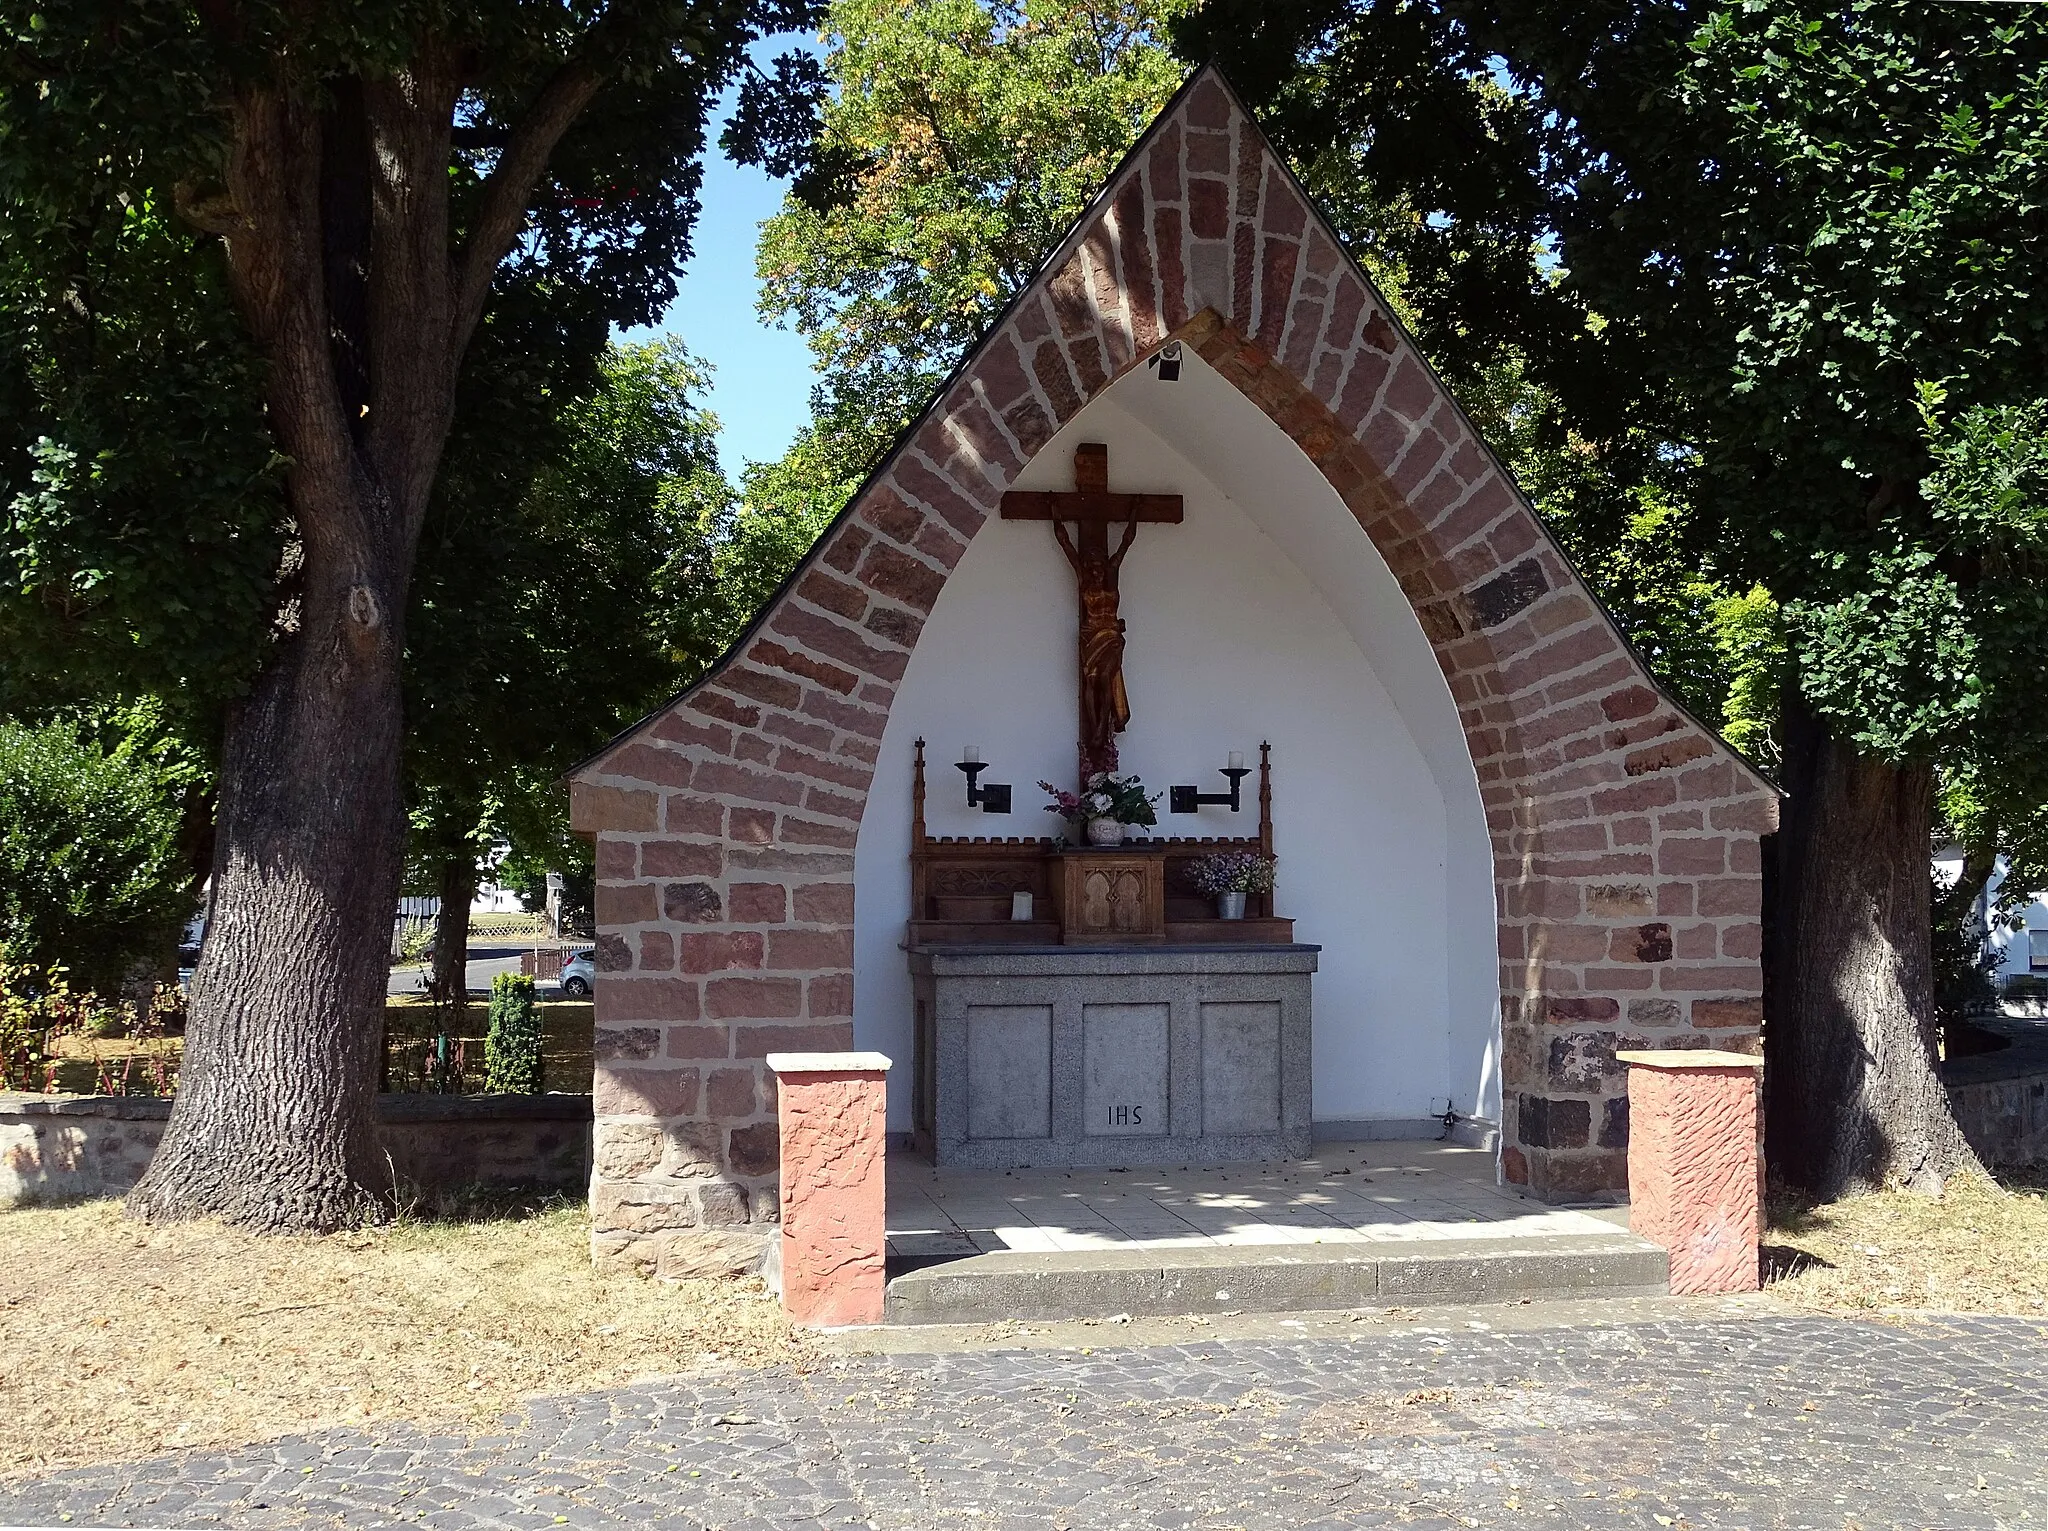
(1048, 263)
(1309, 200)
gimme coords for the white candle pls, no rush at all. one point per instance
(972, 754)
(1237, 760)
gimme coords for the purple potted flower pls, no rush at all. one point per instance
(1229, 875)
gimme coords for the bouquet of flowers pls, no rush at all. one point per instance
(1233, 872)
(1104, 796)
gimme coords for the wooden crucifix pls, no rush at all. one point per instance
(1092, 509)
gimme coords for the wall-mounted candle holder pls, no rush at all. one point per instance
(1192, 799)
(995, 797)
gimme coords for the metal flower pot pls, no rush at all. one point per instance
(1230, 906)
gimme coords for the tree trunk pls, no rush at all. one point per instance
(273, 1125)
(273, 1128)
(1855, 1098)
(450, 984)
(346, 271)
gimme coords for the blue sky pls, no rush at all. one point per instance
(762, 380)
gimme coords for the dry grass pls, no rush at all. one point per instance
(1981, 1247)
(94, 1049)
(118, 1340)
(95, 1065)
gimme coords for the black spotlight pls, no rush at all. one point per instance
(1168, 362)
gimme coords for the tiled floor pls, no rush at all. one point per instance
(1348, 1193)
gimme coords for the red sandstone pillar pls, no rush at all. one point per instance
(833, 1108)
(1694, 1175)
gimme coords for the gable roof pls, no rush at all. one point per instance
(1202, 233)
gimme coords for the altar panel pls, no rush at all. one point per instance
(1241, 1067)
(1149, 1055)
(1123, 1069)
(1009, 1071)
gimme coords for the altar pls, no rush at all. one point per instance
(1037, 1056)
(1083, 1005)
(1087, 1002)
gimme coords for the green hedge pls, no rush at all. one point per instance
(90, 874)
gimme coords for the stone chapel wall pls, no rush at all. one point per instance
(1626, 854)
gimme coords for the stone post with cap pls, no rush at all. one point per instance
(833, 1109)
(1694, 1170)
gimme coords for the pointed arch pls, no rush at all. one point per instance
(1625, 834)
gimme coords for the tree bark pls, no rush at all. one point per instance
(337, 231)
(1855, 1098)
(451, 930)
(273, 1128)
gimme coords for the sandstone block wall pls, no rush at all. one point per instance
(56, 1148)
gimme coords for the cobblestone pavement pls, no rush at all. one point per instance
(1773, 1422)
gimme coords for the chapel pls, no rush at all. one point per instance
(1194, 525)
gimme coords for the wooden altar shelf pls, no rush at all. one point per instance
(1137, 893)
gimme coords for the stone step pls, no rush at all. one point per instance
(1156, 1282)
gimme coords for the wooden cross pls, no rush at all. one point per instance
(1093, 509)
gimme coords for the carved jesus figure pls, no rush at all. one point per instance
(1092, 510)
(1105, 705)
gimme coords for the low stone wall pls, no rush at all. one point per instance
(63, 1147)
(2001, 1098)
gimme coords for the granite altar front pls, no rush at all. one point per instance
(1085, 1005)
(1070, 1055)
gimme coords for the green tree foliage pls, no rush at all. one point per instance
(548, 613)
(1888, 370)
(564, 589)
(962, 138)
(141, 524)
(1740, 242)
(780, 510)
(513, 1064)
(92, 877)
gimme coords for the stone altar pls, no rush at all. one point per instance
(1062, 1055)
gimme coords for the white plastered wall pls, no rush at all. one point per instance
(1265, 615)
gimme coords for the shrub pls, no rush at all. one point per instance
(26, 1017)
(512, 1046)
(90, 875)
(416, 940)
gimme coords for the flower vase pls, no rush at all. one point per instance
(1105, 832)
(1230, 906)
